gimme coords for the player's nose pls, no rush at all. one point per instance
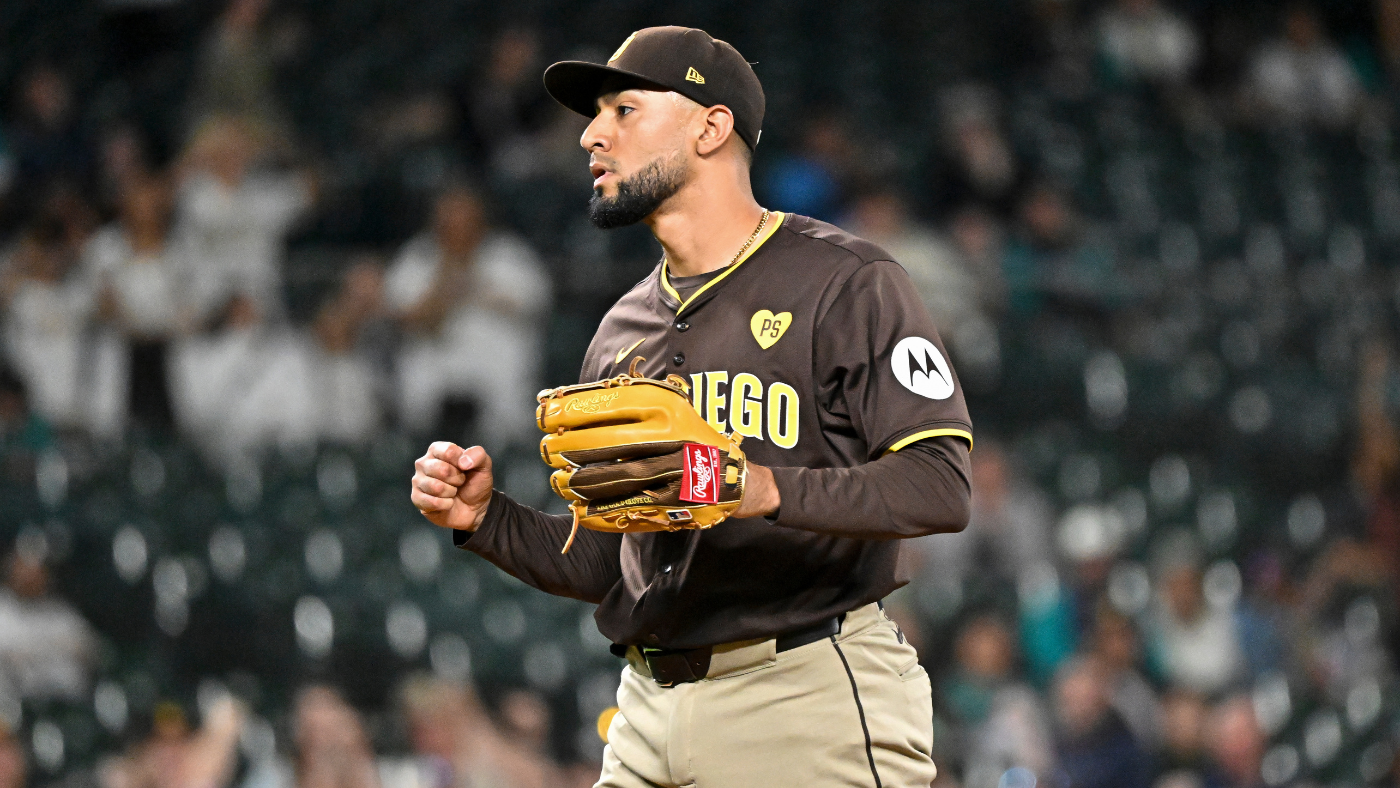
(596, 137)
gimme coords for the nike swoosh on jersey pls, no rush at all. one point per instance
(621, 354)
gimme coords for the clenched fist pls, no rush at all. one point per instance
(452, 485)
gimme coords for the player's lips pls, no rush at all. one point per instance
(599, 171)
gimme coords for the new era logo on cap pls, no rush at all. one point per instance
(691, 75)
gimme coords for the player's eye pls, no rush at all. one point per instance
(625, 110)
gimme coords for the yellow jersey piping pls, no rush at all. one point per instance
(918, 436)
(775, 221)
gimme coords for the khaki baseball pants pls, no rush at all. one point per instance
(853, 710)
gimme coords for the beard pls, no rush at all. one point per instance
(638, 196)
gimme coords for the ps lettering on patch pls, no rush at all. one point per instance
(768, 328)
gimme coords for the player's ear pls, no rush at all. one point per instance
(717, 129)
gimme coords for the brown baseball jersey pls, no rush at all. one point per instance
(816, 348)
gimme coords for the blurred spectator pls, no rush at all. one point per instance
(1342, 640)
(1267, 614)
(173, 756)
(47, 649)
(236, 74)
(1000, 721)
(1183, 732)
(1145, 41)
(1053, 255)
(332, 748)
(68, 205)
(1236, 744)
(1375, 465)
(1196, 643)
(14, 765)
(141, 278)
(350, 331)
(1065, 47)
(948, 289)
(249, 384)
(812, 180)
(525, 719)
(1303, 77)
(507, 105)
(46, 312)
(23, 433)
(1118, 652)
(1096, 749)
(472, 299)
(235, 217)
(460, 745)
(980, 239)
(125, 161)
(46, 134)
(1010, 527)
(978, 168)
(245, 385)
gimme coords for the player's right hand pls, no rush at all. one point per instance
(452, 485)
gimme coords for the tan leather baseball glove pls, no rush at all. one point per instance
(633, 455)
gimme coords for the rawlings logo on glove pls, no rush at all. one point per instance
(632, 455)
(593, 404)
(700, 464)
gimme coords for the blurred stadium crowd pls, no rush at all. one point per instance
(254, 255)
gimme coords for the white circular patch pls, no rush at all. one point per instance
(920, 368)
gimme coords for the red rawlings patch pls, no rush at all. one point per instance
(700, 481)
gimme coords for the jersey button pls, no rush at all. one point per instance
(666, 570)
(682, 326)
(678, 359)
(653, 639)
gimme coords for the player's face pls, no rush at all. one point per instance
(636, 146)
(632, 129)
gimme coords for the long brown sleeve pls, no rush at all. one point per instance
(919, 490)
(525, 543)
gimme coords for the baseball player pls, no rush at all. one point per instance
(758, 654)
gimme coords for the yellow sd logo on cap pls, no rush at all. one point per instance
(618, 53)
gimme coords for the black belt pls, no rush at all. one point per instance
(670, 667)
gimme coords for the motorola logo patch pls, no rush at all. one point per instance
(919, 367)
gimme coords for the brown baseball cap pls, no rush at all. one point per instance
(688, 61)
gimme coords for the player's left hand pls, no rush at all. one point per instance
(761, 496)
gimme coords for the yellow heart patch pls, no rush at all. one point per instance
(768, 328)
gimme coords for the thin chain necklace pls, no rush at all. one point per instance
(762, 222)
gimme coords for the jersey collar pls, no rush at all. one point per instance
(775, 220)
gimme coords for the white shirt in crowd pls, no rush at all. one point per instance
(235, 236)
(46, 648)
(242, 388)
(152, 297)
(489, 347)
(45, 326)
(151, 290)
(1202, 655)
